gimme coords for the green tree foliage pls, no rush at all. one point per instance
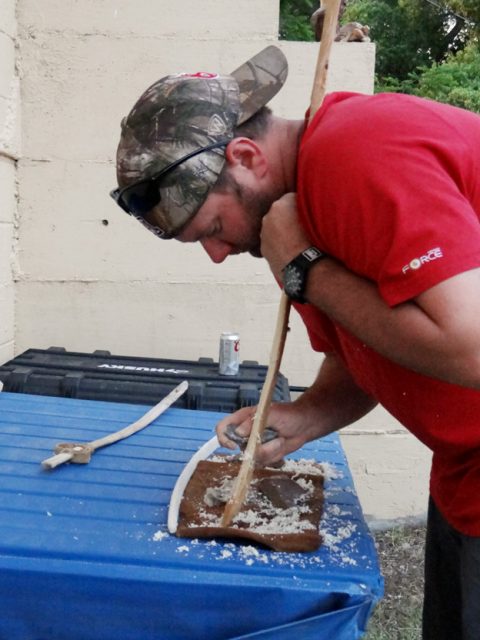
(408, 33)
(423, 47)
(469, 9)
(295, 19)
(456, 81)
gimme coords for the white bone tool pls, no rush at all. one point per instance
(202, 454)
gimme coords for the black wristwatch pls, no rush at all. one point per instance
(296, 271)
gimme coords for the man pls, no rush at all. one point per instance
(369, 218)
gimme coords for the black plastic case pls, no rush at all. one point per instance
(103, 376)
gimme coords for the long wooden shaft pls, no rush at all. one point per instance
(245, 473)
(319, 89)
(244, 477)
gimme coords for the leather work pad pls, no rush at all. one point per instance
(282, 509)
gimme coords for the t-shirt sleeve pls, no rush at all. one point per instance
(393, 193)
(434, 232)
(320, 330)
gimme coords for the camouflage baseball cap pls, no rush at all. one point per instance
(172, 144)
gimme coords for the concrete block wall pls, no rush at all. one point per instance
(9, 145)
(101, 280)
(89, 277)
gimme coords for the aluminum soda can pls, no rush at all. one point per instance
(229, 356)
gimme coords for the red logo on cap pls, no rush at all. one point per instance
(200, 74)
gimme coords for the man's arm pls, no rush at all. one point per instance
(332, 402)
(436, 334)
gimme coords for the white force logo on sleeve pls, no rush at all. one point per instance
(429, 256)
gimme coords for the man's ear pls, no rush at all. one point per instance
(246, 154)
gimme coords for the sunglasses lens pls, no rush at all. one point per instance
(139, 200)
(141, 197)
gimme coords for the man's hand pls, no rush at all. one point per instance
(282, 236)
(332, 402)
(284, 418)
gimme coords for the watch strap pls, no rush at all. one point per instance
(309, 257)
(296, 271)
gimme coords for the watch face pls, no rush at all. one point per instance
(293, 280)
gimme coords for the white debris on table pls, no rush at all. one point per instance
(337, 536)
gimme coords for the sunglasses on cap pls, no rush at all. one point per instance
(139, 198)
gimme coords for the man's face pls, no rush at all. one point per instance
(229, 222)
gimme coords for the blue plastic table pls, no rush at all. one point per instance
(85, 554)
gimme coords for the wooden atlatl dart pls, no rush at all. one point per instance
(234, 488)
(246, 470)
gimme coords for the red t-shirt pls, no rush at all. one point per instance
(390, 186)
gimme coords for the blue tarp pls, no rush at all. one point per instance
(85, 553)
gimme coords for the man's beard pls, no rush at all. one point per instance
(256, 206)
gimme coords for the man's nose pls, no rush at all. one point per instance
(217, 249)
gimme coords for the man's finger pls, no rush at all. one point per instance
(238, 424)
(271, 452)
